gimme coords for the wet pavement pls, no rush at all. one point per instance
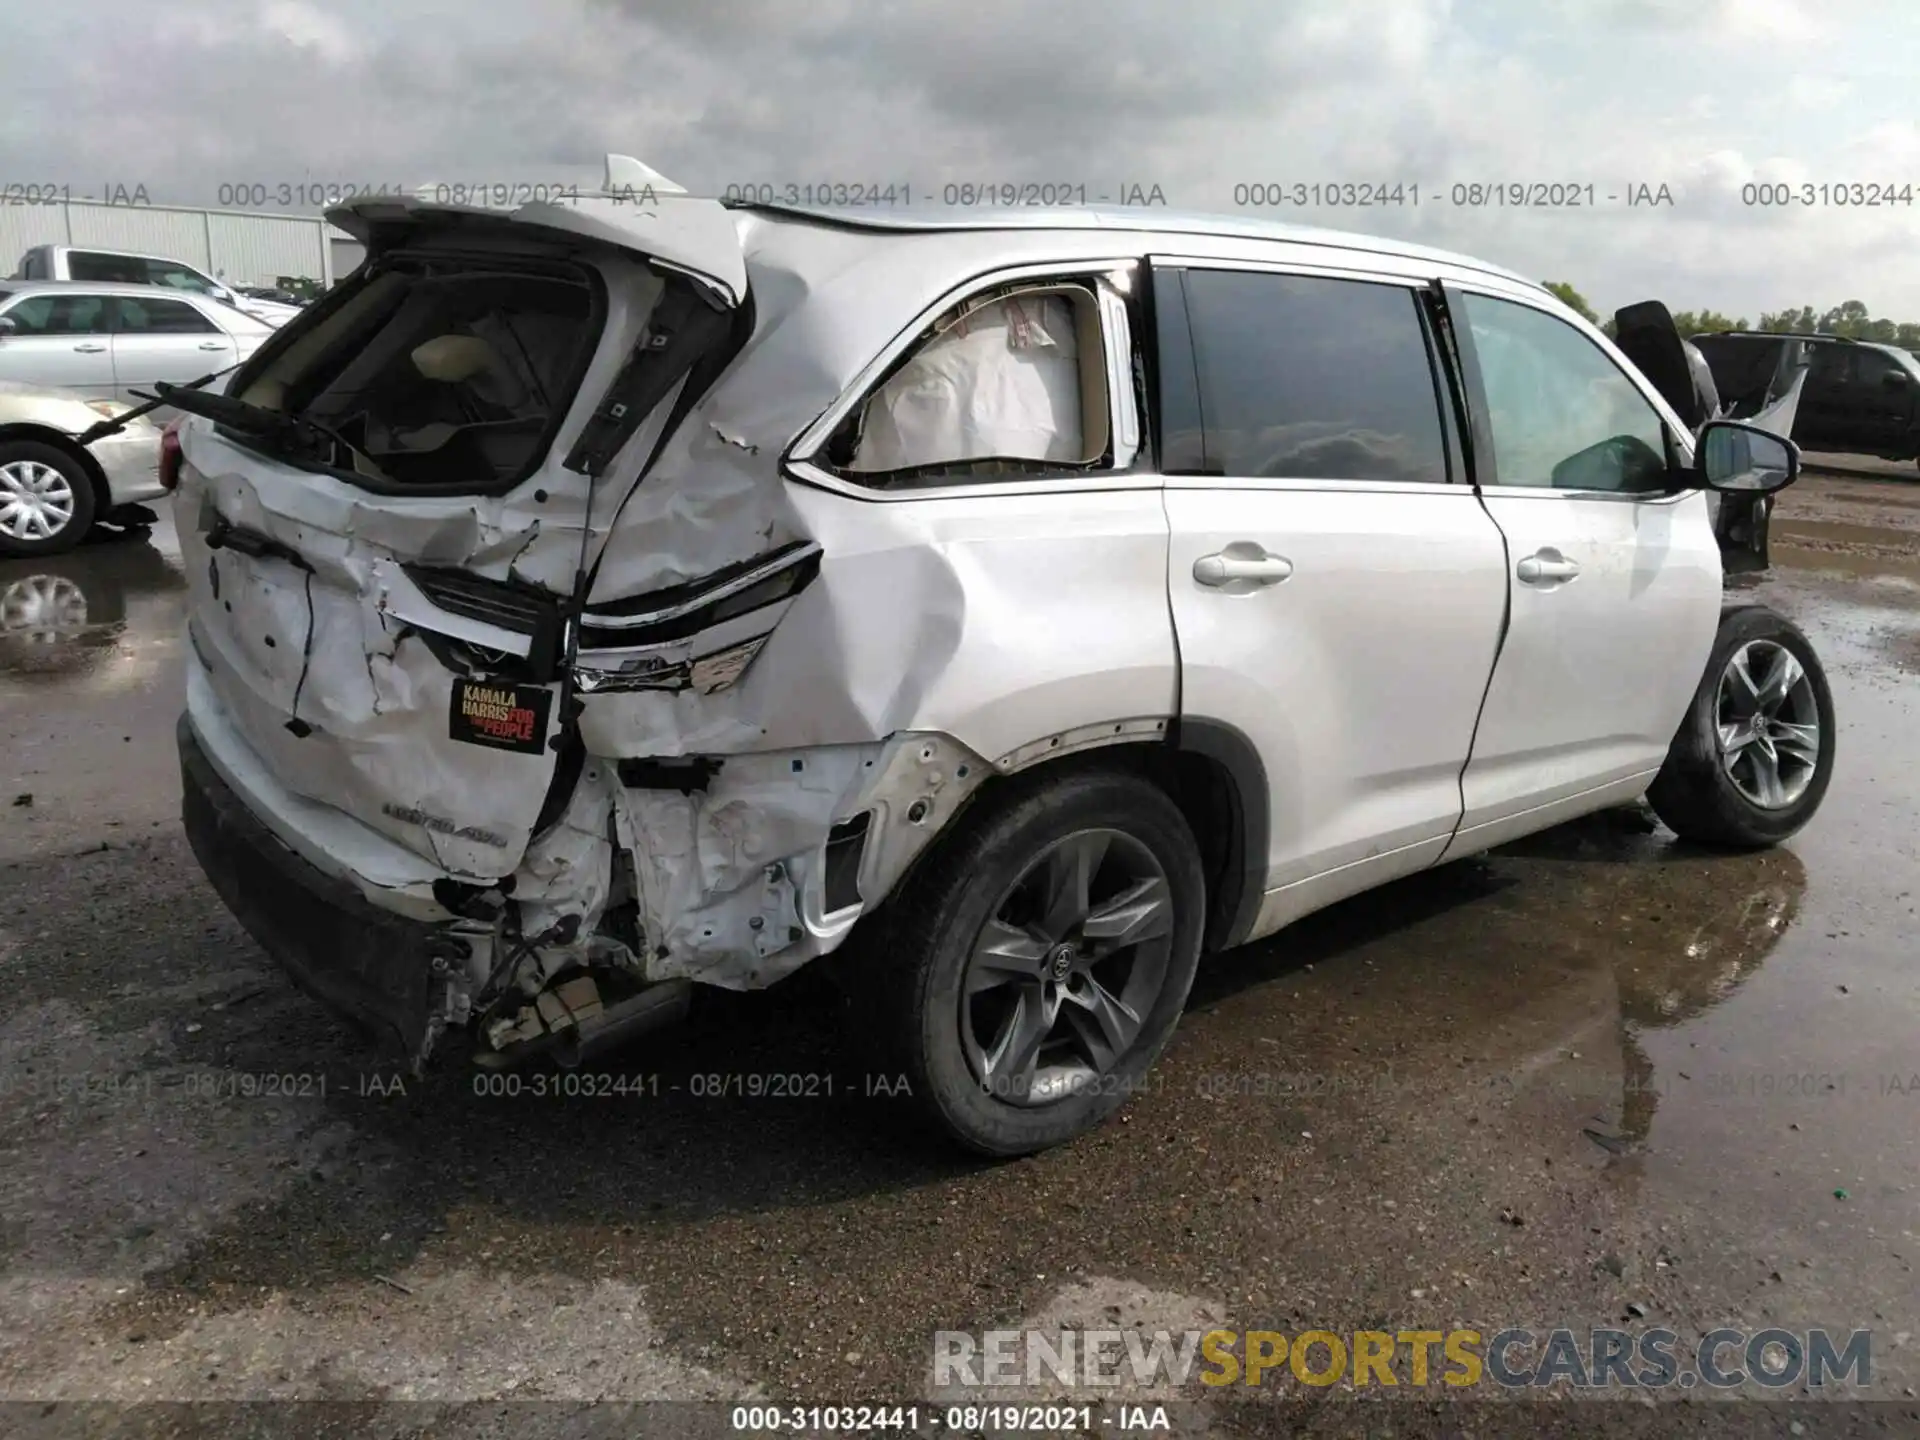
(1597, 1077)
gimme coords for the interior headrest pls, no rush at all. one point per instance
(452, 358)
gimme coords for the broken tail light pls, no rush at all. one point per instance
(170, 455)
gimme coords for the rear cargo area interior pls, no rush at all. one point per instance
(454, 376)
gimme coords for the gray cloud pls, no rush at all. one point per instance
(1195, 98)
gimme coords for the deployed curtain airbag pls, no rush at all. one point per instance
(1001, 382)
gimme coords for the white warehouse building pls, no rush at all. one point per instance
(240, 247)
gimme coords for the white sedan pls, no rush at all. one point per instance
(107, 342)
(53, 489)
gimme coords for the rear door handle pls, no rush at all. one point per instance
(1546, 566)
(1255, 567)
(89, 349)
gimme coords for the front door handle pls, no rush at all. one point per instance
(88, 349)
(1254, 566)
(1546, 566)
(212, 345)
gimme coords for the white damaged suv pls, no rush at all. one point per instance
(596, 600)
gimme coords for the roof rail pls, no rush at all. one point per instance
(1783, 335)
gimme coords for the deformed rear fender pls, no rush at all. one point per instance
(731, 860)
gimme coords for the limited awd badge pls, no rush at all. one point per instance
(505, 717)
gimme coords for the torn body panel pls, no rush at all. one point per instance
(759, 671)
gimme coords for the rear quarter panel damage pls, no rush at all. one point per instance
(972, 627)
(942, 639)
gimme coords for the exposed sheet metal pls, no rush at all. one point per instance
(882, 687)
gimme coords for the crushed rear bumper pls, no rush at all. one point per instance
(366, 964)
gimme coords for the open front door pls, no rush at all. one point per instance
(1646, 335)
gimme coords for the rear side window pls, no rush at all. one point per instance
(162, 317)
(33, 265)
(1308, 378)
(1009, 383)
(60, 315)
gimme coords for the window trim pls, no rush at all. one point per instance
(1486, 473)
(799, 463)
(1168, 268)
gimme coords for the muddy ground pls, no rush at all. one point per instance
(1594, 1078)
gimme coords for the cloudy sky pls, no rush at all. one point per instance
(1701, 96)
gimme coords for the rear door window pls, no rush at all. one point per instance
(1303, 377)
(60, 315)
(157, 316)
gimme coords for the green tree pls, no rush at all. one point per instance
(1847, 318)
(1705, 322)
(1572, 299)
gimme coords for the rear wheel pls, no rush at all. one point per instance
(46, 499)
(1034, 966)
(1754, 755)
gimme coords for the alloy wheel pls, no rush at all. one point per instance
(1065, 972)
(1768, 724)
(42, 609)
(36, 500)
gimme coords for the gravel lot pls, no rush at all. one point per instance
(1595, 1070)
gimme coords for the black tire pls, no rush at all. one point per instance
(919, 957)
(31, 453)
(1697, 795)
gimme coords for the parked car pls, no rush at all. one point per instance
(589, 602)
(117, 267)
(271, 293)
(1861, 397)
(53, 489)
(108, 342)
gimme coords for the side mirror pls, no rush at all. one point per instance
(1741, 459)
(8, 326)
(1895, 380)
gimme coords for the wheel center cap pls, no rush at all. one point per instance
(1060, 962)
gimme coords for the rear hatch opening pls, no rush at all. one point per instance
(441, 372)
(388, 522)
